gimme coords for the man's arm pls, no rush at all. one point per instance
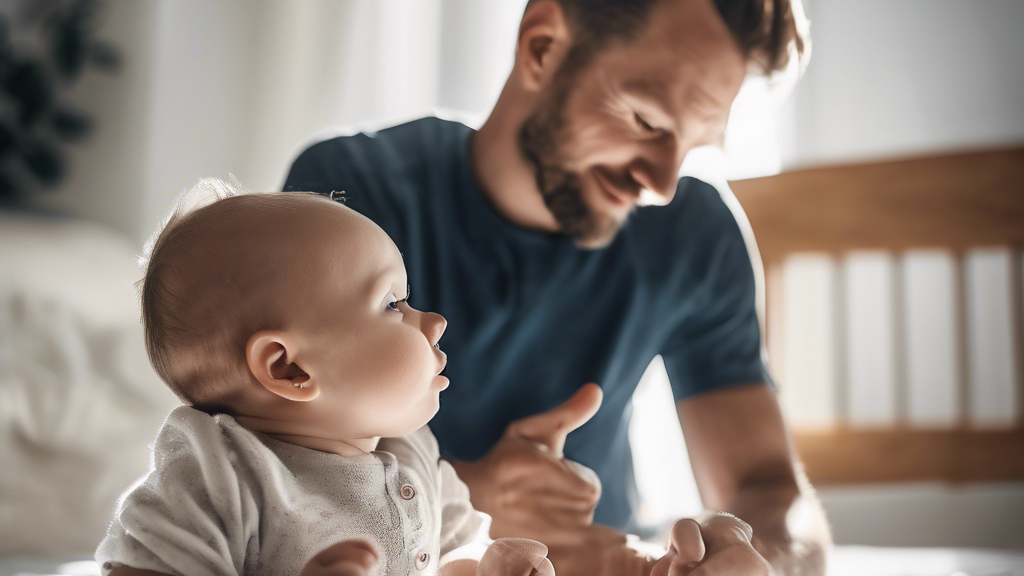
(745, 464)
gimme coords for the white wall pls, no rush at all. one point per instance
(896, 77)
(477, 50)
(177, 111)
(105, 180)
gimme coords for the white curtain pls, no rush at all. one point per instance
(212, 88)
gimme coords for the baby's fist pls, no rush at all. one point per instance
(515, 557)
(355, 557)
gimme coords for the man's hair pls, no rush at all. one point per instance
(201, 294)
(768, 32)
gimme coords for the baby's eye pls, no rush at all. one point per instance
(393, 304)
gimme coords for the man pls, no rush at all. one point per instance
(563, 249)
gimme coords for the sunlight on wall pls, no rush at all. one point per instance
(663, 475)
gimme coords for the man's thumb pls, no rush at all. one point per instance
(550, 428)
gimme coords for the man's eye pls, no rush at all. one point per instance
(643, 123)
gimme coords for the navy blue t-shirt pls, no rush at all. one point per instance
(531, 318)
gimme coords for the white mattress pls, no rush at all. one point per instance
(844, 561)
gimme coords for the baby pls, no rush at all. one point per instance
(283, 321)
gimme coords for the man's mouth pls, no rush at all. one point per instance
(616, 196)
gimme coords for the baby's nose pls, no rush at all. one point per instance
(434, 326)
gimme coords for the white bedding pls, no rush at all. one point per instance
(79, 402)
(844, 561)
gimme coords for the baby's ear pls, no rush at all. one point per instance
(269, 357)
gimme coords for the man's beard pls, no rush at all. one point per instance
(560, 188)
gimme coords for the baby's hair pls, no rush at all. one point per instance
(202, 292)
(205, 192)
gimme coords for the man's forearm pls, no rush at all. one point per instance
(789, 524)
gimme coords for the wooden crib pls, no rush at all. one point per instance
(953, 202)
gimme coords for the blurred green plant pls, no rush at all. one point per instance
(45, 46)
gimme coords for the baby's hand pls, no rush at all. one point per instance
(515, 557)
(355, 557)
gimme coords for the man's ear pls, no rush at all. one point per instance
(269, 354)
(544, 40)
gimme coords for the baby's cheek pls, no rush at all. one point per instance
(390, 365)
(409, 378)
(412, 370)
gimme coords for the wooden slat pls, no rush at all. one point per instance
(837, 457)
(953, 201)
(963, 375)
(1017, 320)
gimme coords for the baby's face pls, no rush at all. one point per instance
(374, 356)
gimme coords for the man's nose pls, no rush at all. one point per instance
(433, 326)
(657, 172)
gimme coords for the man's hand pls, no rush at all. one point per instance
(526, 486)
(713, 544)
(356, 557)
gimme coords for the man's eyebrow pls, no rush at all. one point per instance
(653, 97)
(646, 86)
(650, 93)
(658, 90)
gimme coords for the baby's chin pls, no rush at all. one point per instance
(434, 398)
(427, 408)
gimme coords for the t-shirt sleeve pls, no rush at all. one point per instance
(461, 524)
(362, 169)
(188, 516)
(717, 342)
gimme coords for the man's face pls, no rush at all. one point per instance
(613, 134)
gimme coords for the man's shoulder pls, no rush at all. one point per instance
(421, 135)
(371, 155)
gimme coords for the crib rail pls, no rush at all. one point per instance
(952, 202)
(954, 456)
